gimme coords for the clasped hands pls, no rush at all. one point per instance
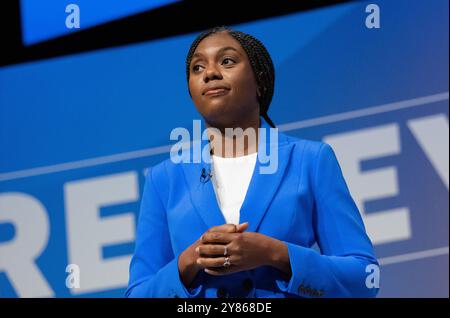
(232, 246)
(244, 251)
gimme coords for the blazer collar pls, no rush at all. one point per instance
(261, 190)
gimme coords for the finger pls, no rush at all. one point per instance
(218, 237)
(241, 227)
(211, 262)
(227, 228)
(211, 249)
(219, 271)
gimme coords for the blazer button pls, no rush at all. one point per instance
(222, 293)
(247, 284)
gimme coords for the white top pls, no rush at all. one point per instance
(231, 178)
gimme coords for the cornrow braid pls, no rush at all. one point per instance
(260, 61)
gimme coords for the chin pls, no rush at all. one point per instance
(216, 111)
(219, 118)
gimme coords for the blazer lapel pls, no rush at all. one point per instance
(263, 187)
(202, 191)
(261, 190)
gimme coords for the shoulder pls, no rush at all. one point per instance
(318, 161)
(303, 150)
(160, 172)
(306, 148)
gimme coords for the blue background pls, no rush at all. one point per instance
(41, 20)
(120, 100)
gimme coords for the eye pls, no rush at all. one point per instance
(228, 61)
(196, 68)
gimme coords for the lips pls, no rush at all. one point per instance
(215, 90)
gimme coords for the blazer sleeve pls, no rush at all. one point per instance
(154, 268)
(342, 268)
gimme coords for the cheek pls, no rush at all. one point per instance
(194, 88)
(245, 85)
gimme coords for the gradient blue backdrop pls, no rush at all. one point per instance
(129, 98)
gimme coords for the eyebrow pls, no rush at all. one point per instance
(226, 48)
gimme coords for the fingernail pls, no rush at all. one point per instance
(197, 249)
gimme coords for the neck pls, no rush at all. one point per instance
(238, 141)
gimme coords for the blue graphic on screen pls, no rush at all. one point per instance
(44, 20)
(78, 132)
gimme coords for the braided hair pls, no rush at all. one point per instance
(260, 61)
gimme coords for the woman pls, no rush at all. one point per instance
(237, 232)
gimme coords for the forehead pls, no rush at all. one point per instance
(212, 44)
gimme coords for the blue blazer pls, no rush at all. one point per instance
(306, 201)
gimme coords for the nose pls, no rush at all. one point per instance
(211, 73)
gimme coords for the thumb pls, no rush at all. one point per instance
(241, 227)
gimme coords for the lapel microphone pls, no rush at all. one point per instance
(205, 177)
